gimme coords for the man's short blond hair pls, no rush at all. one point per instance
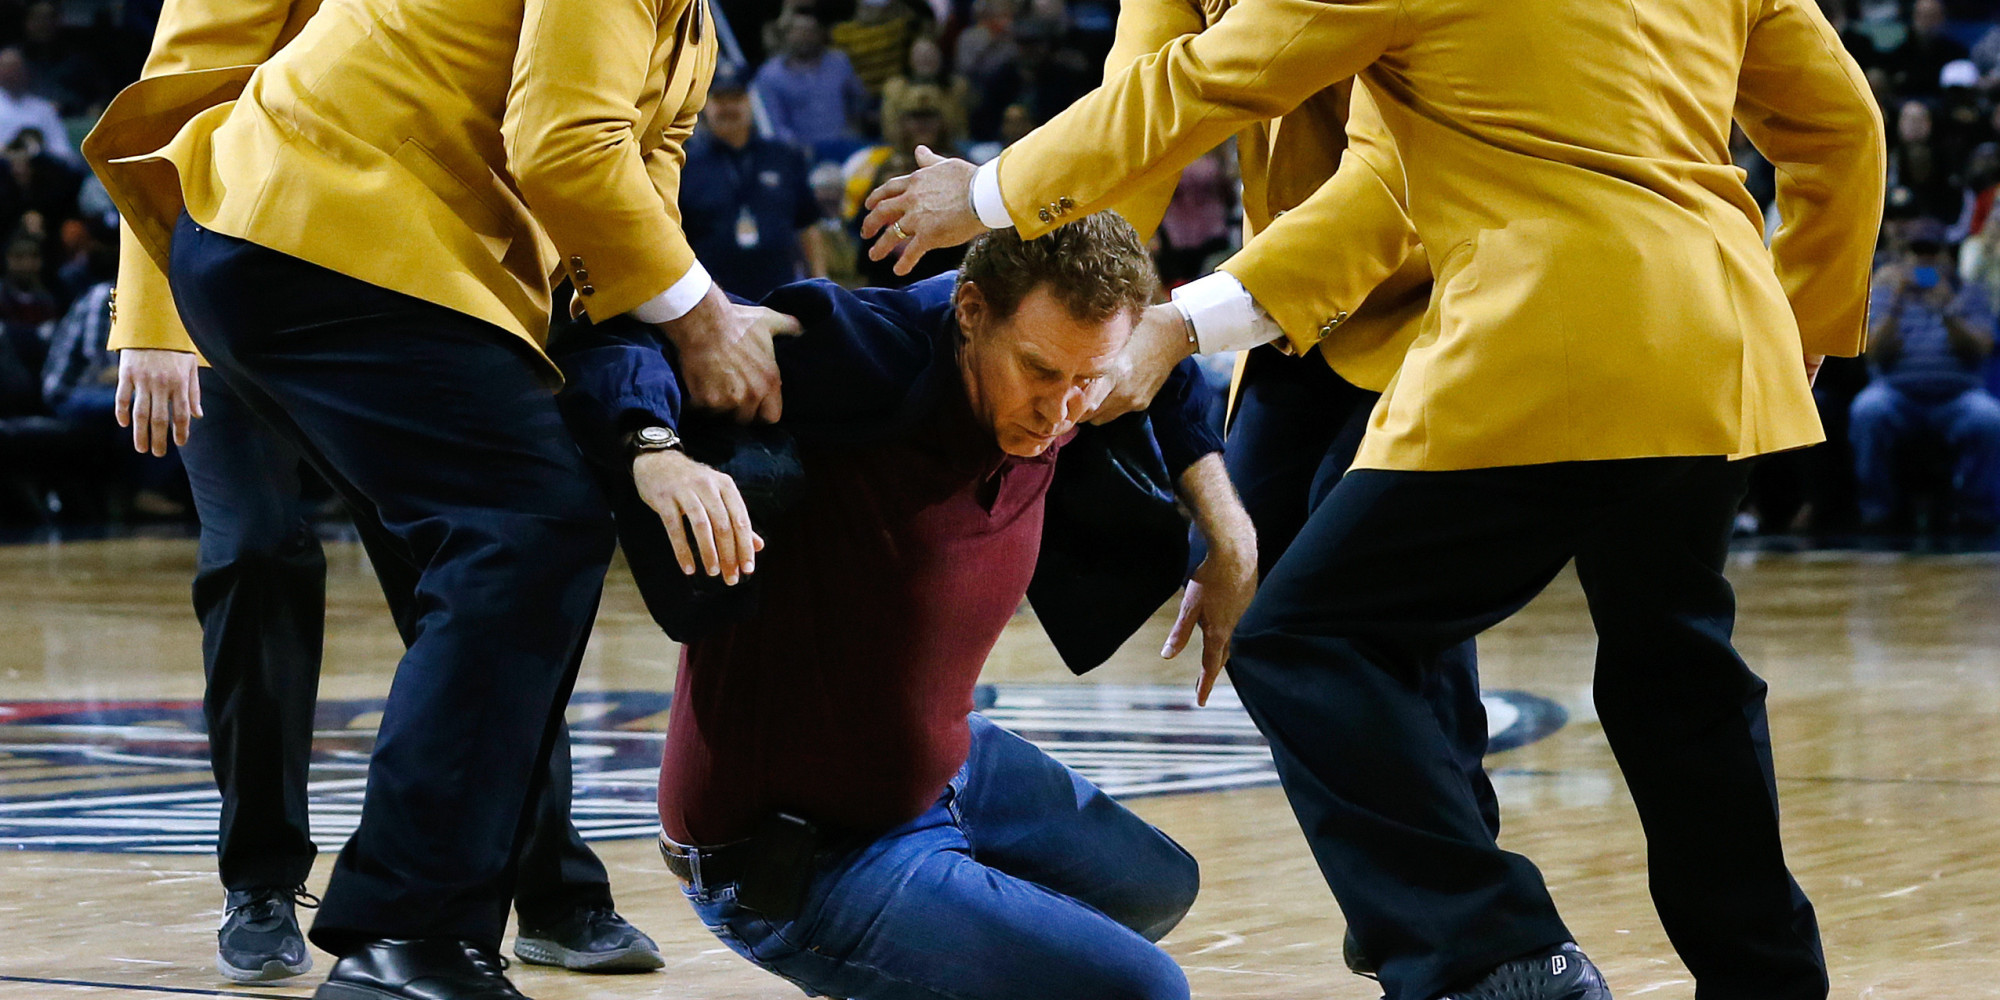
(1096, 267)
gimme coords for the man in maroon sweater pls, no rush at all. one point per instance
(837, 812)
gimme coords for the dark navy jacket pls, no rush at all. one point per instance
(872, 364)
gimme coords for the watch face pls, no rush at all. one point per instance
(656, 435)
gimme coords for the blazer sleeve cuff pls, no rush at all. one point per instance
(987, 202)
(1224, 315)
(678, 300)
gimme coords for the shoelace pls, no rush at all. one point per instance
(485, 961)
(298, 895)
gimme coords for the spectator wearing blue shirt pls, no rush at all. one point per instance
(811, 92)
(1929, 337)
(745, 204)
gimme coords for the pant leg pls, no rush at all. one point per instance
(1879, 421)
(1026, 814)
(1295, 433)
(1390, 571)
(1687, 722)
(559, 873)
(913, 916)
(442, 425)
(260, 593)
(1970, 426)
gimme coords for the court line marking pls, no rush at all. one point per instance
(182, 990)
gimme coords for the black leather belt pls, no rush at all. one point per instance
(770, 869)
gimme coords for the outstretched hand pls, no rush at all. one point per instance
(159, 396)
(1216, 598)
(703, 512)
(923, 211)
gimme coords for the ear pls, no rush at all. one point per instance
(973, 311)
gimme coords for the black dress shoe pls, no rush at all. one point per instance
(1559, 973)
(590, 940)
(428, 969)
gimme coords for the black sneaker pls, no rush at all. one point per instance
(592, 940)
(430, 969)
(1559, 973)
(259, 939)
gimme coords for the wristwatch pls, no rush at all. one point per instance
(654, 438)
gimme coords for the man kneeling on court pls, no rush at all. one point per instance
(836, 812)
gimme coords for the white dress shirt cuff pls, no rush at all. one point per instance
(986, 200)
(1224, 315)
(678, 300)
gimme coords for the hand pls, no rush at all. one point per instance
(703, 511)
(727, 361)
(157, 390)
(932, 208)
(1216, 598)
(1813, 363)
(1157, 344)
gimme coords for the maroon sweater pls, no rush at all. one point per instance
(843, 700)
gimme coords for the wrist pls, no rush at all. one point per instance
(652, 439)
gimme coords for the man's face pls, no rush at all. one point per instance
(1927, 17)
(728, 116)
(1913, 122)
(1028, 375)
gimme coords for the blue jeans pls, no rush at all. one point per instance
(1884, 418)
(1023, 882)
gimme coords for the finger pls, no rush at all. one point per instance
(124, 406)
(889, 189)
(677, 535)
(785, 326)
(925, 157)
(1214, 656)
(772, 407)
(194, 390)
(722, 531)
(703, 532)
(739, 523)
(162, 416)
(142, 420)
(920, 244)
(756, 541)
(181, 416)
(1177, 637)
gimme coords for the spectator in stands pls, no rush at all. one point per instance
(1918, 166)
(1986, 56)
(810, 91)
(1015, 122)
(1914, 67)
(877, 40)
(920, 119)
(988, 45)
(21, 109)
(745, 204)
(25, 300)
(1929, 337)
(1196, 226)
(927, 67)
(840, 245)
(1046, 77)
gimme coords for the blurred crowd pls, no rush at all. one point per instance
(818, 101)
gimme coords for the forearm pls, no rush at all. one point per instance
(1218, 512)
(813, 245)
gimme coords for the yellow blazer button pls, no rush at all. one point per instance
(586, 289)
(1326, 330)
(1043, 215)
(576, 262)
(1063, 204)
(1340, 317)
(582, 274)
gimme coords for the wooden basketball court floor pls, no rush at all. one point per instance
(1885, 675)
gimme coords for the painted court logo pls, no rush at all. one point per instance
(133, 776)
